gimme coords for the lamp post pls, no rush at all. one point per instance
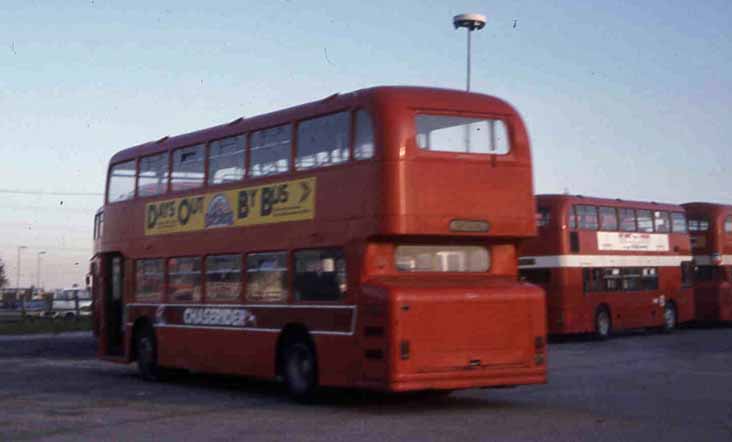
(471, 22)
(38, 269)
(18, 296)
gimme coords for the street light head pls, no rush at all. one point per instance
(472, 22)
(43, 252)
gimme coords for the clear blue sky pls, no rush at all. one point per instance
(622, 98)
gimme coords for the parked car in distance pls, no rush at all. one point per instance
(71, 303)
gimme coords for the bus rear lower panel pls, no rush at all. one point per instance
(454, 336)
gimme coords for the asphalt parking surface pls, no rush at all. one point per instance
(638, 387)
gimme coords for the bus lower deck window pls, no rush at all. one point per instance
(320, 275)
(267, 278)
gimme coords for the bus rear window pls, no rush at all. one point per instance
(447, 133)
(434, 258)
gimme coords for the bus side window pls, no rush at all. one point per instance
(627, 220)
(153, 176)
(269, 151)
(587, 217)
(571, 219)
(149, 279)
(267, 277)
(662, 222)
(184, 279)
(320, 275)
(188, 168)
(322, 141)
(223, 278)
(226, 159)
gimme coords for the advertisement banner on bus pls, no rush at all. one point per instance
(283, 201)
(625, 241)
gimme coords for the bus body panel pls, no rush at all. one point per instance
(449, 333)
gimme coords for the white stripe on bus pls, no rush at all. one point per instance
(313, 306)
(242, 306)
(601, 261)
(249, 329)
(707, 260)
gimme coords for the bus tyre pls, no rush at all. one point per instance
(146, 350)
(300, 369)
(669, 317)
(603, 323)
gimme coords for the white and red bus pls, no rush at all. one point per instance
(710, 227)
(364, 240)
(609, 264)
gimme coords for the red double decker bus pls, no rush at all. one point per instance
(609, 264)
(364, 240)
(710, 227)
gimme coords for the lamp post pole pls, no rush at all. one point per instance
(38, 269)
(18, 295)
(471, 22)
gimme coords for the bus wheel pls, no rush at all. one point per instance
(669, 317)
(300, 369)
(603, 323)
(146, 350)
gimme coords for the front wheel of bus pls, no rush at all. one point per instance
(669, 317)
(603, 324)
(300, 370)
(147, 354)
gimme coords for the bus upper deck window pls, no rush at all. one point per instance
(363, 144)
(678, 222)
(121, 182)
(188, 168)
(447, 133)
(270, 151)
(645, 221)
(322, 141)
(226, 160)
(153, 177)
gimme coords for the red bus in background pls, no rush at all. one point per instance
(608, 264)
(710, 227)
(364, 240)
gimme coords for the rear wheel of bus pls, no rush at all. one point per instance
(603, 323)
(300, 369)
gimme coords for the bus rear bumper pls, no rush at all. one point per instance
(467, 379)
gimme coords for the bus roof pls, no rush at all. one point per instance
(423, 97)
(562, 200)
